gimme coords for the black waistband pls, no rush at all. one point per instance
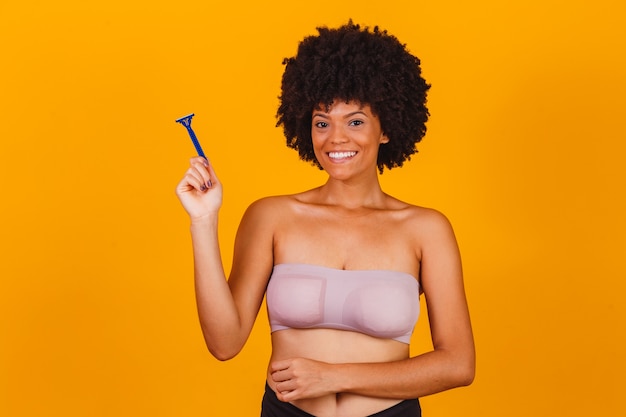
(273, 407)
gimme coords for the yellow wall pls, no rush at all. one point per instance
(525, 154)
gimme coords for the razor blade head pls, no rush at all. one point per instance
(185, 120)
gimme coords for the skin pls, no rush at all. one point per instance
(347, 223)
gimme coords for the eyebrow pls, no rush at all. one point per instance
(347, 116)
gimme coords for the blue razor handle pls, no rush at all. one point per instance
(186, 121)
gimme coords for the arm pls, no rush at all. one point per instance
(225, 310)
(451, 362)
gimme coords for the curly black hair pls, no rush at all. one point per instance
(351, 63)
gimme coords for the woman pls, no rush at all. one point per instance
(344, 264)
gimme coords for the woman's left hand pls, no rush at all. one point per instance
(300, 378)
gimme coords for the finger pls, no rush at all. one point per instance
(288, 396)
(212, 173)
(213, 179)
(281, 395)
(200, 160)
(281, 376)
(200, 165)
(284, 388)
(189, 183)
(201, 174)
(198, 174)
(289, 391)
(280, 365)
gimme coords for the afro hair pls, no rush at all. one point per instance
(352, 63)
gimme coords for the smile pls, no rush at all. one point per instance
(341, 155)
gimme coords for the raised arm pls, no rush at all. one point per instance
(226, 309)
(450, 364)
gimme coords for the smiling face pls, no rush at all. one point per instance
(346, 137)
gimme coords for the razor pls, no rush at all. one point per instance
(186, 121)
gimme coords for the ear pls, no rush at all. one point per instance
(383, 138)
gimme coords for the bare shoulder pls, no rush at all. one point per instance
(268, 210)
(428, 226)
(256, 235)
(271, 204)
(424, 218)
(432, 218)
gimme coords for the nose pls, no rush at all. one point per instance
(338, 136)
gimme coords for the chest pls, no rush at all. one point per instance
(374, 240)
(378, 303)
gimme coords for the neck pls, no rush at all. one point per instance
(350, 195)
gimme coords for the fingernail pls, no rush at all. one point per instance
(203, 188)
(209, 184)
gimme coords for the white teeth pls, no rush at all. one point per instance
(341, 155)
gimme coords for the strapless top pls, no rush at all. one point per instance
(378, 303)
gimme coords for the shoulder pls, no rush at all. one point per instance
(271, 204)
(270, 209)
(437, 240)
(282, 203)
(421, 217)
(428, 225)
(432, 219)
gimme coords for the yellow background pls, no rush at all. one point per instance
(525, 153)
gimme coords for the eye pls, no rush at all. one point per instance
(320, 124)
(356, 122)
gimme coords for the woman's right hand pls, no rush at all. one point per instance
(200, 191)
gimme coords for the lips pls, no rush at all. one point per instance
(340, 156)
